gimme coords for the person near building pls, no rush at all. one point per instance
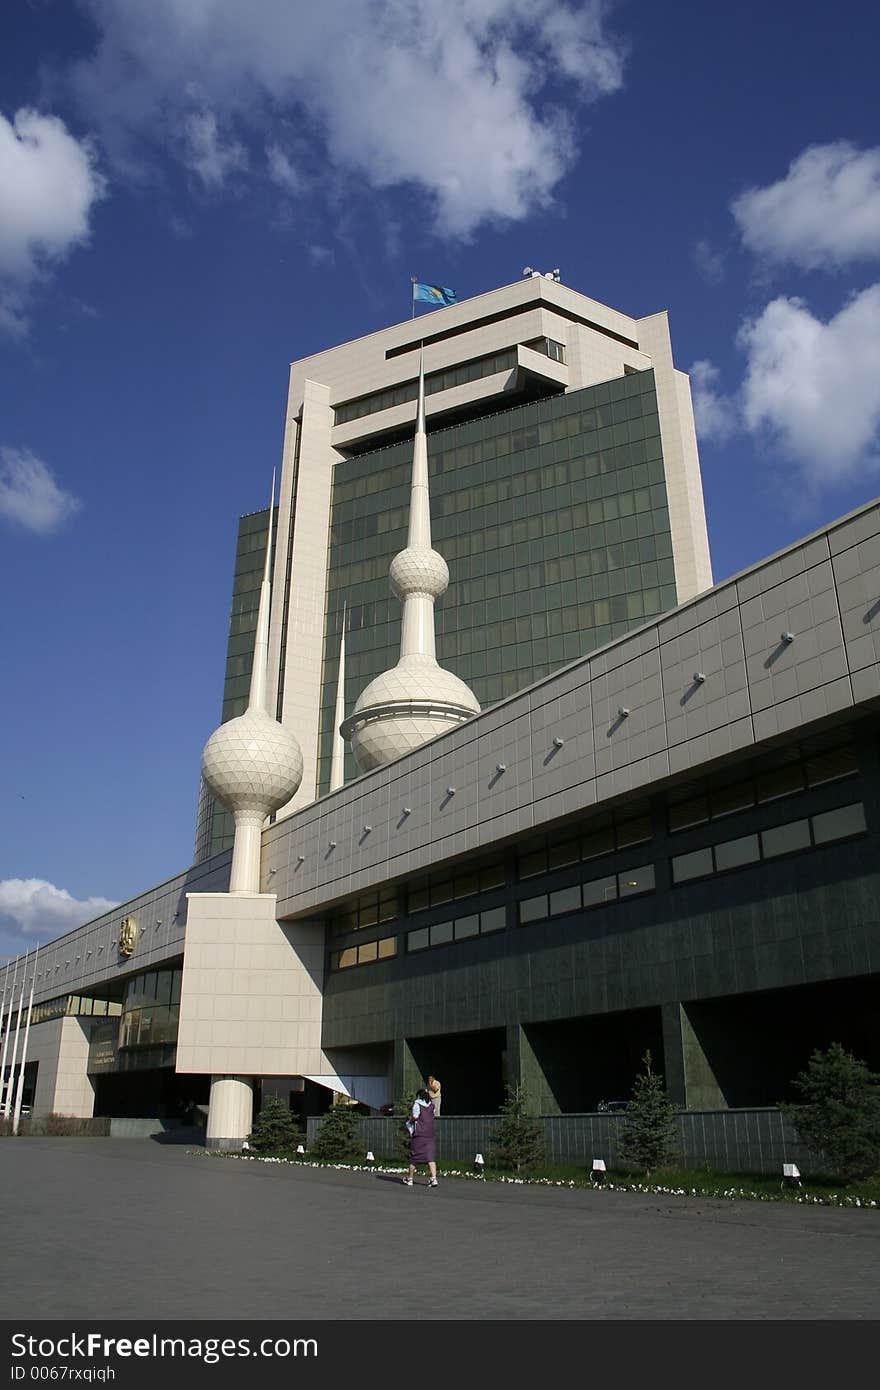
(433, 1089)
(421, 1128)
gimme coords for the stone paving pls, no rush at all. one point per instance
(138, 1229)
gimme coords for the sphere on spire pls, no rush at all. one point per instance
(253, 763)
(416, 700)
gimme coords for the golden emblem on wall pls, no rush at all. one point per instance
(128, 931)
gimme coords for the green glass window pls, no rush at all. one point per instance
(635, 881)
(695, 865)
(533, 909)
(784, 839)
(505, 518)
(599, 891)
(732, 854)
(565, 900)
(839, 824)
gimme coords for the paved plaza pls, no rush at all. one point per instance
(138, 1229)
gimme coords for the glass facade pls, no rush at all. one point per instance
(151, 1009)
(553, 519)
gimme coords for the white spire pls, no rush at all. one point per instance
(260, 670)
(252, 764)
(417, 699)
(337, 761)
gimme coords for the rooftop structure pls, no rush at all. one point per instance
(565, 498)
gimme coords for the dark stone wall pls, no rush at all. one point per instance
(758, 958)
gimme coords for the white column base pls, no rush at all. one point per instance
(230, 1112)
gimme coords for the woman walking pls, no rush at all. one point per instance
(421, 1128)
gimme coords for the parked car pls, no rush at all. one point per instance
(612, 1107)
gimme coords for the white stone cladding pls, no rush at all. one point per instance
(60, 1047)
(684, 488)
(250, 997)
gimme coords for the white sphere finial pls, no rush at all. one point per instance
(252, 764)
(416, 700)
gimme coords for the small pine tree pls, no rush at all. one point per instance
(650, 1137)
(338, 1138)
(518, 1142)
(402, 1113)
(840, 1112)
(275, 1129)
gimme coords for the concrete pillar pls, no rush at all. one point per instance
(230, 1111)
(525, 1069)
(690, 1079)
(406, 1075)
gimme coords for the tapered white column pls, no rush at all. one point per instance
(7, 1107)
(19, 1090)
(251, 764)
(5, 1026)
(417, 699)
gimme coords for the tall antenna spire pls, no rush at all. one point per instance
(251, 764)
(337, 760)
(260, 671)
(416, 700)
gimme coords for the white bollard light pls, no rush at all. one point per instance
(598, 1170)
(370, 1156)
(300, 1149)
(479, 1165)
(791, 1175)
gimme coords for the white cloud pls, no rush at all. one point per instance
(451, 99)
(29, 494)
(207, 153)
(716, 414)
(709, 261)
(281, 170)
(825, 213)
(814, 388)
(38, 908)
(49, 184)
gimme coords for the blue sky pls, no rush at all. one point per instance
(194, 193)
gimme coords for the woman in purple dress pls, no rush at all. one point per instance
(421, 1128)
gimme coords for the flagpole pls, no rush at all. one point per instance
(19, 1092)
(7, 1109)
(4, 1028)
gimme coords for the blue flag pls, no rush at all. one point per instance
(433, 294)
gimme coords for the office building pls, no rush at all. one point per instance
(565, 498)
(667, 843)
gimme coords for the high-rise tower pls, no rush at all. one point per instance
(566, 498)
